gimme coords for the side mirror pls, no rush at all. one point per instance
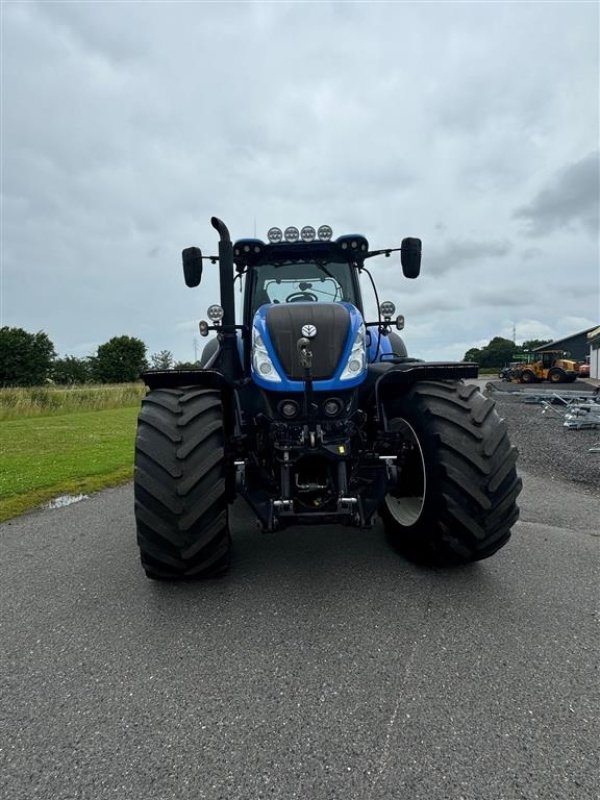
(410, 255)
(192, 266)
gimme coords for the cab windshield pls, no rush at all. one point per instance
(302, 282)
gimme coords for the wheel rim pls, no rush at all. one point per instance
(406, 502)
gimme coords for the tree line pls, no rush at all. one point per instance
(30, 359)
(498, 351)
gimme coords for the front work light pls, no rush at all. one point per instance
(215, 313)
(288, 408)
(332, 406)
(387, 309)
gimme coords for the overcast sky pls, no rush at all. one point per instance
(127, 125)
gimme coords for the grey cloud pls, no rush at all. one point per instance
(471, 250)
(461, 252)
(572, 197)
(511, 297)
(127, 125)
(433, 305)
(531, 252)
(578, 291)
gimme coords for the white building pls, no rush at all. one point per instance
(594, 341)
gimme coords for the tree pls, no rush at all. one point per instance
(25, 358)
(162, 360)
(120, 360)
(474, 354)
(187, 365)
(498, 352)
(495, 354)
(69, 370)
(531, 344)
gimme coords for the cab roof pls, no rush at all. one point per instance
(350, 248)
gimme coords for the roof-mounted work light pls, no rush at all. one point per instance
(274, 235)
(291, 234)
(325, 233)
(308, 233)
(355, 243)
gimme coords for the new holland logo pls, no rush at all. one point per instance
(309, 331)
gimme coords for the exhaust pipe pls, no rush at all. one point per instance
(229, 357)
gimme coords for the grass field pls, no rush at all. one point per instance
(61, 451)
(43, 400)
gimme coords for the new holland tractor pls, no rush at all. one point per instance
(316, 416)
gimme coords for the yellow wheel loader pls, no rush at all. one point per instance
(550, 365)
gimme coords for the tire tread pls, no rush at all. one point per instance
(180, 485)
(470, 502)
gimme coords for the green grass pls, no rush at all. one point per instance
(42, 457)
(44, 400)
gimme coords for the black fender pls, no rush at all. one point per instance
(174, 378)
(398, 346)
(387, 379)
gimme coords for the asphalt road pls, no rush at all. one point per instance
(323, 666)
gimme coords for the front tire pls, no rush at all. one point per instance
(527, 376)
(455, 500)
(180, 485)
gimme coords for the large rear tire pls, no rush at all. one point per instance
(180, 485)
(455, 499)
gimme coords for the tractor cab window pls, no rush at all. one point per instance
(302, 282)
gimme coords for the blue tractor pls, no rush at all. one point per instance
(315, 416)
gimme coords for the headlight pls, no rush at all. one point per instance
(261, 360)
(357, 360)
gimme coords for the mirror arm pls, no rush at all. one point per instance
(383, 326)
(385, 252)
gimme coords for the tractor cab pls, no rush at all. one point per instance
(301, 280)
(549, 357)
(299, 287)
(296, 267)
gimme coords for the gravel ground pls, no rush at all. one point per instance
(546, 448)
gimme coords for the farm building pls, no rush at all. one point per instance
(577, 345)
